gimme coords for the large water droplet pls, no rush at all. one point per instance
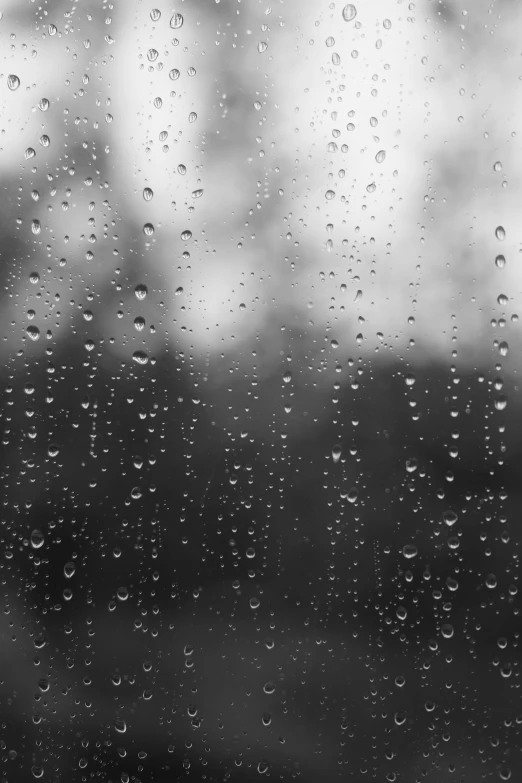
(500, 233)
(381, 156)
(37, 539)
(13, 82)
(141, 291)
(349, 12)
(120, 725)
(500, 261)
(449, 517)
(176, 21)
(336, 453)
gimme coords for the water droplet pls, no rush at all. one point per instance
(197, 193)
(497, 166)
(37, 539)
(287, 376)
(491, 581)
(13, 82)
(174, 74)
(269, 687)
(140, 357)
(500, 261)
(409, 551)
(503, 348)
(381, 156)
(155, 14)
(409, 379)
(447, 630)
(262, 47)
(148, 229)
(387, 24)
(352, 496)
(53, 450)
(179, 290)
(141, 291)
(501, 403)
(29, 153)
(502, 299)
(255, 603)
(400, 681)
(176, 21)
(43, 104)
(330, 41)
(120, 725)
(449, 517)
(500, 233)
(35, 226)
(152, 55)
(336, 59)
(262, 767)
(192, 116)
(186, 235)
(336, 453)
(330, 194)
(33, 332)
(69, 570)
(34, 278)
(349, 12)
(399, 718)
(266, 719)
(122, 593)
(37, 771)
(371, 188)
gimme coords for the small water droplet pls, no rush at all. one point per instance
(152, 55)
(409, 379)
(186, 235)
(497, 166)
(34, 278)
(35, 226)
(53, 450)
(148, 229)
(29, 153)
(197, 193)
(255, 603)
(330, 41)
(37, 771)
(174, 74)
(330, 194)
(262, 47)
(502, 300)
(43, 104)
(13, 82)
(155, 14)
(500, 261)
(349, 12)
(447, 630)
(179, 290)
(387, 24)
(336, 59)
(500, 233)
(287, 376)
(269, 687)
(381, 156)
(336, 453)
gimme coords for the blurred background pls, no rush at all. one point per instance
(260, 286)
